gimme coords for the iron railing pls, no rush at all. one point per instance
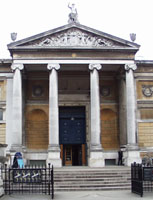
(141, 178)
(30, 179)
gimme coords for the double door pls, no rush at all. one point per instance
(72, 155)
(72, 135)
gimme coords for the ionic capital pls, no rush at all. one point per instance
(96, 66)
(51, 66)
(130, 66)
(17, 66)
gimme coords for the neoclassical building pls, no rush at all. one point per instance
(75, 96)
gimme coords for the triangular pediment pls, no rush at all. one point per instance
(72, 36)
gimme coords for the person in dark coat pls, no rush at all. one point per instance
(120, 156)
(17, 156)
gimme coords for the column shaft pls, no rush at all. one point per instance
(132, 153)
(53, 149)
(53, 109)
(131, 107)
(96, 155)
(95, 109)
(122, 111)
(17, 108)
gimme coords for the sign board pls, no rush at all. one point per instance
(148, 173)
(27, 176)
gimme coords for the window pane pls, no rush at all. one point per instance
(1, 114)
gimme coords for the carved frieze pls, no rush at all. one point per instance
(147, 90)
(74, 37)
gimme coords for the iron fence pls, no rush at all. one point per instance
(30, 179)
(141, 178)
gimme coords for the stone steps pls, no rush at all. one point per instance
(88, 179)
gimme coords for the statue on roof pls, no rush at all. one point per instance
(73, 16)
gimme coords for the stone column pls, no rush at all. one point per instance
(96, 156)
(132, 152)
(16, 136)
(53, 149)
(122, 111)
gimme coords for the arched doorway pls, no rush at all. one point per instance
(37, 130)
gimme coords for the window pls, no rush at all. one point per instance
(1, 114)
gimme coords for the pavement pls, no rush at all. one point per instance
(85, 195)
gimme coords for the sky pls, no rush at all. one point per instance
(115, 17)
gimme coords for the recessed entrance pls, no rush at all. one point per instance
(72, 135)
(72, 155)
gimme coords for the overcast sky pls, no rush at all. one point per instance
(116, 17)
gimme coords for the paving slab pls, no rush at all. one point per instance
(88, 195)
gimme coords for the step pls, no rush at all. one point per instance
(86, 179)
(93, 189)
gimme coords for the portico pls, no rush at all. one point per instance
(74, 70)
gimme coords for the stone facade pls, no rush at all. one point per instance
(76, 81)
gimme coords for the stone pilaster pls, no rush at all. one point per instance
(96, 154)
(132, 152)
(53, 149)
(16, 136)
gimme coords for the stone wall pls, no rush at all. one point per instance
(3, 90)
(3, 108)
(145, 134)
(2, 133)
(144, 88)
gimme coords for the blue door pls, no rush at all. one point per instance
(72, 125)
(72, 134)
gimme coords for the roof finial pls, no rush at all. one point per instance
(133, 36)
(73, 16)
(13, 36)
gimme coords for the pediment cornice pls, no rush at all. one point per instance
(73, 36)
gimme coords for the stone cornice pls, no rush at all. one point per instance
(73, 25)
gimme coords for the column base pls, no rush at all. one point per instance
(131, 155)
(96, 158)
(16, 148)
(54, 156)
